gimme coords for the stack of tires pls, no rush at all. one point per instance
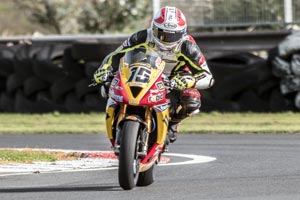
(243, 82)
(40, 78)
(47, 77)
(285, 63)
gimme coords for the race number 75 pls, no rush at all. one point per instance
(139, 74)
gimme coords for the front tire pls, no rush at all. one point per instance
(128, 158)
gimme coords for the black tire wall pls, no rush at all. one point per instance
(49, 77)
(40, 78)
(284, 61)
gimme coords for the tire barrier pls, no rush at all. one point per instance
(243, 82)
(47, 77)
(285, 65)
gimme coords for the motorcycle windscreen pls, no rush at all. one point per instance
(144, 56)
(140, 73)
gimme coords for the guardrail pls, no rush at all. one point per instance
(240, 41)
(219, 41)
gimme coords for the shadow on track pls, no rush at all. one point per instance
(60, 189)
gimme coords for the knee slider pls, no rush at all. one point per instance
(190, 101)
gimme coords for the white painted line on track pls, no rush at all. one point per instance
(88, 164)
(195, 159)
(56, 172)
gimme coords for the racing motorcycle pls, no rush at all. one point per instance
(137, 115)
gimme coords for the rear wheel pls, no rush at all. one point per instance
(146, 178)
(128, 157)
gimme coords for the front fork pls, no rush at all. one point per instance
(162, 126)
(110, 128)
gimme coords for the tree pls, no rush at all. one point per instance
(87, 16)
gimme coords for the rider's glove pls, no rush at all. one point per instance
(102, 74)
(178, 82)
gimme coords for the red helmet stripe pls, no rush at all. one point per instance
(180, 20)
(162, 16)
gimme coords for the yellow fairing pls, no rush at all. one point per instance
(162, 125)
(125, 74)
(110, 111)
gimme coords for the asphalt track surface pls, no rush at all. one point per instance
(251, 166)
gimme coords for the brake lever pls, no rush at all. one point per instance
(110, 78)
(93, 84)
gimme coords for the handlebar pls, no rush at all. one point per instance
(93, 82)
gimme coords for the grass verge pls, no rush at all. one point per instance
(214, 122)
(28, 156)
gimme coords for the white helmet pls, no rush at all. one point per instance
(168, 27)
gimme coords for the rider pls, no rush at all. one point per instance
(168, 34)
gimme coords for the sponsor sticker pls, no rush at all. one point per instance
(155, 98)
(117, 98)
(170, 25)
(160, 85)
(157, 62)
(162, 107)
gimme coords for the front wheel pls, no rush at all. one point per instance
(128, 157)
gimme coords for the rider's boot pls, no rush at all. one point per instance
(173, 130)
(166, 146)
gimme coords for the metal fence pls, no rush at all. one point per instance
(238, 13)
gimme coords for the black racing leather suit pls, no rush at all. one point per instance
(186, 56)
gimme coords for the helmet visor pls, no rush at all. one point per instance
(167, 37)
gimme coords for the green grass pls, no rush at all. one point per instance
(16, 156)
(52, 123)
(215, 122)
(287, 122)
(34, 155)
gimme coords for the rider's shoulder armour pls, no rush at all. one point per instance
(189, 48)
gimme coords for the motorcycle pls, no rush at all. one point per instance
(137, 115)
